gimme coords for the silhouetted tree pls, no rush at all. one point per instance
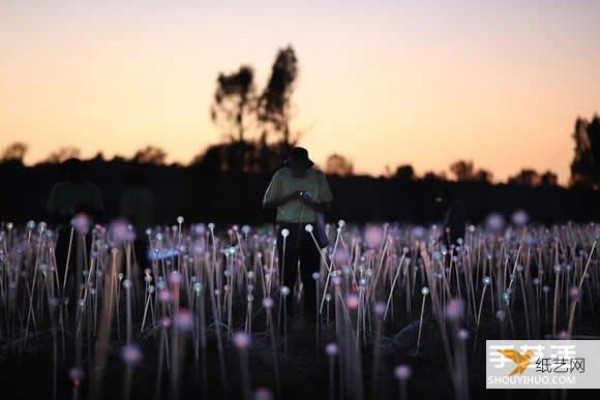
(63, 154)
(150, 155)
(270, 155)
(387, 172)
(99, 157)
(483, 176)
(585, 167)
(549, 178)
(234, 102)
(212, 159)
(431, 176)
(275, 101)
(234, 108)
(225, 157)
(463, 170)
(526, 177)
(338, 165)
(405, 172)
(238, 110)
(117, 158)
(14, 153)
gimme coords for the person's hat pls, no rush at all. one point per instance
(299, 156)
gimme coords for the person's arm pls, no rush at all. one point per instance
(281, 200)
(325, 198)
(315, 204)
(274, 196)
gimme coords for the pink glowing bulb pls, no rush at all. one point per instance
(374, 236)
(241, 340)
(341, 257)
(263, 394)
(574, 292)
(175, 278)
(352, 301)
(454, 309)
(164, 296)
(165, 322)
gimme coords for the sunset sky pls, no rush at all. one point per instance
(382, 82)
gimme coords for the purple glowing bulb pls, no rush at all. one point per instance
(332, 349)
(185, 321)
(267, 303)
(402, 372)
(131, 354)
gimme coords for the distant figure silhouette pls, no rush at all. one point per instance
(137, 207)
(69, 199)
(75, 195)
(301, 194)
(454, 217)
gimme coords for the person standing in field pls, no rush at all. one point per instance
(455, 216)
(300, 193)
(75, 195)
(73, 203)
(137, 205)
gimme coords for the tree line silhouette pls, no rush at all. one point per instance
(226, 181)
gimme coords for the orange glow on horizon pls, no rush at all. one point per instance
(386, 87)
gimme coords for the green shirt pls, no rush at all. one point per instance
(296, 211)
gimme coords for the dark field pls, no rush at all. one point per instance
(186, 327)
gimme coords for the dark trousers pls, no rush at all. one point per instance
(299, 247)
